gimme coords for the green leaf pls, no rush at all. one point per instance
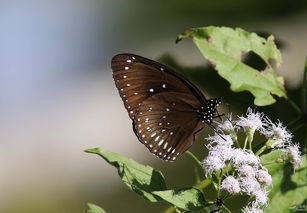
(189, 199)
(141, 179)
(92, 208)
(223, 47)
(289, 188)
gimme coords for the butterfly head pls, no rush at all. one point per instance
(208, 112)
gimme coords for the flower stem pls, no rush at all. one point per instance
(250, 137)
(269, 144)
(199, 166)
(226, 208)
(203, 184)
(262, 149)
(245, 142)
(294, 105)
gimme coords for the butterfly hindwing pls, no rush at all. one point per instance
(166, 122)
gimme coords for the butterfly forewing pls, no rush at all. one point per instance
(138, 78)
(166, 122)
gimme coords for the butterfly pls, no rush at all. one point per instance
(167, 110)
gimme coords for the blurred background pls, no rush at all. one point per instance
(57, 96)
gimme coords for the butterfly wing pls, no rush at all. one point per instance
(166, 123)
(138, 78)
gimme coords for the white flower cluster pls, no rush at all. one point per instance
(273, 131)
(248, 176)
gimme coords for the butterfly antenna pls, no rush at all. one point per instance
(219, 116)
(214, 129)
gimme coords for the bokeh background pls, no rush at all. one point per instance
(57, 96)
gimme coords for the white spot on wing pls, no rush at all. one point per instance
(129, 61)
(125, 76)
(151, 90)
(169, 149)
(164, 86)
(157, 138)
(161, 142)
(126, 68)
(165, 145)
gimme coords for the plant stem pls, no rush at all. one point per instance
(294, 105)
(199, 166)
(269, 144)
(226, 208)
(262, 149)
(245, 142)
(203, 184)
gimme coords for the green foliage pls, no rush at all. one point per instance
(223, 47)
(141, 179)
(150, 183)
(189, 199)
(92, 208)
(289, 187)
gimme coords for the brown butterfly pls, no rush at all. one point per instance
(166, 109)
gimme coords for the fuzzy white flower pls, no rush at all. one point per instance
(251, 158)
(247, 171)
(238, 157)
(227, 125)
(252, 209)
(294, 155)
(264, 177)
(230, 185)
(278, 132)
(223, 152)
(213, 163)
(241, 156)
(261, 197)
(223, 140)
(252, 120)
(249, 185)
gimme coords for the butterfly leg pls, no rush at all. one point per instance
(195, 133)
